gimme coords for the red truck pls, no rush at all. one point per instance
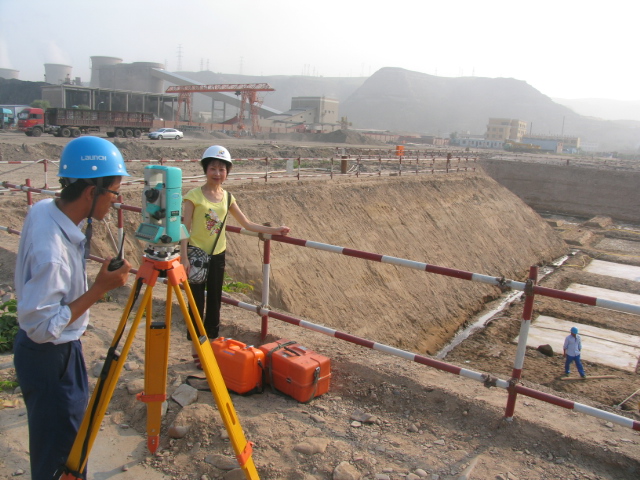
(72, 122)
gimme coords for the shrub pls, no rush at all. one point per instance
(8, 324)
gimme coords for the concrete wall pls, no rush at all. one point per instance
(571, 190)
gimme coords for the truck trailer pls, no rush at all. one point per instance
(72, 122)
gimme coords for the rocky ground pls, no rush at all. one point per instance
(384, 417)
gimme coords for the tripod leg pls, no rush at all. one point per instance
(155, 371)
(241, 446)
(103, 391)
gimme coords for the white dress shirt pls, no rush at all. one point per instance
(573, 345)
(50, 274)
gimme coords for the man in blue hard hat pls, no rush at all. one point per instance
(54, 298)
(571, 352)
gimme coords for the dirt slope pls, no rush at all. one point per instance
(466, 222)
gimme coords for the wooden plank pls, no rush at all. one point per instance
(590, 377)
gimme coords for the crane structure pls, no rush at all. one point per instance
(248, 93)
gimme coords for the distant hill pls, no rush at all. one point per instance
(401, 100)
(398, 99)
(605, 109)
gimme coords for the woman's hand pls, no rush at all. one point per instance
(282, 230)
(184, 260)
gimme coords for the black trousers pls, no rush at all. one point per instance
(213, 286)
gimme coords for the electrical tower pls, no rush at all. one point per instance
(179, 57)
(249, 100)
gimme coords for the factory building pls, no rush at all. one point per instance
(114, 86)
(307, 114)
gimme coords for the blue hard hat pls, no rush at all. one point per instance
(574, 330)
(91, 157)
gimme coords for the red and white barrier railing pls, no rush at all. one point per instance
(529, 288)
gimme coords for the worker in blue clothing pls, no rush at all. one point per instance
(571, 352)
(54, 298)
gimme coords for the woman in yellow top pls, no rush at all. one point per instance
(204, 211)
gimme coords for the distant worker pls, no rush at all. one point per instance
(571, 352)
(54, 297)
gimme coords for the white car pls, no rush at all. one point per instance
(168, 133)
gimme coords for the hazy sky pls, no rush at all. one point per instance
(564, 48)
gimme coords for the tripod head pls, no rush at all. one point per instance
(161, 223)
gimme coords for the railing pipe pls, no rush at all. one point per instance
(499, 282)
(486, 379)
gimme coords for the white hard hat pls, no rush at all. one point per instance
(217, 152)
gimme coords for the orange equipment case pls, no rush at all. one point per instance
(241, 365)
(295, 370)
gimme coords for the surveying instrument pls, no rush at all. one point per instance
(162, 228)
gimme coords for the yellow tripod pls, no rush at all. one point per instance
(156, 363)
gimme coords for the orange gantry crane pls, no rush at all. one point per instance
(248, 93)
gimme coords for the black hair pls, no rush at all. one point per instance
(72, 191)
(206, 161)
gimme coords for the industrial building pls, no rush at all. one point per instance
(554, 143)
(502, 129)
(114, 86)
(141, 87)
(479, 141)
(307, 114)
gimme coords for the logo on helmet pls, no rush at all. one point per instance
(93, 157)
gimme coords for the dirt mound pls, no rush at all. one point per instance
(340, 137)
(350, 137)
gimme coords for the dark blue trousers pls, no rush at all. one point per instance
(567, 365)
(53, 379)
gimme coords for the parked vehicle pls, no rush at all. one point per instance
(168, 133)
(72, 122)
(7, 118)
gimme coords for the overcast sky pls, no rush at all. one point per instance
(563, 48)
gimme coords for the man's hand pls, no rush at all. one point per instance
(106, 280)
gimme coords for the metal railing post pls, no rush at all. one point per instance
(516, 374)
(266, 267)
(29, 194)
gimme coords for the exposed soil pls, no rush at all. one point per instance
(384, 417)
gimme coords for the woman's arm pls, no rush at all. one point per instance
(254, 227)
(187, 218)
